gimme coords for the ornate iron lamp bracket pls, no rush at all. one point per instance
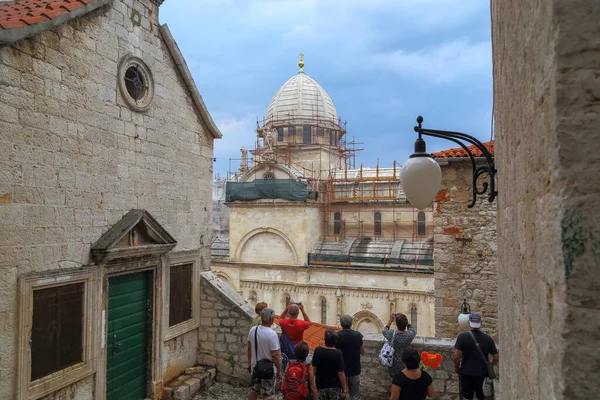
(489, 169)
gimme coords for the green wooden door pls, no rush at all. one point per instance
(127, 337)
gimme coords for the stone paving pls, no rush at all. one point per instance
(222, 391)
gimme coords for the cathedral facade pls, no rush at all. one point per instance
(300, 222)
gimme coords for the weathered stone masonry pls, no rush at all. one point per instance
(464, 251)
(225, 318)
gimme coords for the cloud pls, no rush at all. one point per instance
(237, 132)
(442, 64)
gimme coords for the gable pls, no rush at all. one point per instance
(186, 75)
(137, 233)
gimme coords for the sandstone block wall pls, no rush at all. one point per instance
(74, 158)
(465, 252)
(225, 319)
(376, 382)
(547, 113)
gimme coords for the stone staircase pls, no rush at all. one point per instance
(187, 386)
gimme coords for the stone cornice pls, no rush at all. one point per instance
(308, 268)
(270, 204)
(350, 291)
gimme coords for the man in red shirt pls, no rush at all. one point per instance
(294, 327)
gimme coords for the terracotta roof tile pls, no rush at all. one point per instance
(314, 336)
(459, 152)
(19, 14)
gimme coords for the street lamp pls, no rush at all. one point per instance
(463, 317)
(421, 175)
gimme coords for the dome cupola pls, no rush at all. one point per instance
(301, 100)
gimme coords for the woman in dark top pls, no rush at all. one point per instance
(328, 365)
(411, 383)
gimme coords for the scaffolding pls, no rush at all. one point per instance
(364, 207)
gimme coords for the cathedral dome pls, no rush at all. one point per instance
(301, 100)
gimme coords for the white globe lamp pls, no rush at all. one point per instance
(463, 317)
(421, 177)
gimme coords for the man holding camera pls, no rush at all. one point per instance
(293, 327)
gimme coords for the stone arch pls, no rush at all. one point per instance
(252, 297)
(225, 278)
(368, 321)
(279, 257)
(279, 171)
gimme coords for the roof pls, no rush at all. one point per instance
(314, 336)
(459, 152)
(301, 98)
(20, 19)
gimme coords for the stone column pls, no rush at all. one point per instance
(547, 113)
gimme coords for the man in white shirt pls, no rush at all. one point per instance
(266, 348)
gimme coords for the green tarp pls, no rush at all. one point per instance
(288, 189)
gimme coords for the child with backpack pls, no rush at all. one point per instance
(299, 378)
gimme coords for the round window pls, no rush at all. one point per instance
(136, 83)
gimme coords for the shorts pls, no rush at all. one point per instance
(264, 387)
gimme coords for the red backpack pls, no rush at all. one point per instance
(294, 383)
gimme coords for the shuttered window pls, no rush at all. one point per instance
(180, 294)
(57, 329)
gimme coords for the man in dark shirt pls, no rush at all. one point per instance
(467, 360)
(351, 344)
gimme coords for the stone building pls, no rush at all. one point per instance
(547, 115)
(105, 165)
(306, 225)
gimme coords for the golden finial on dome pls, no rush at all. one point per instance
(301, 63)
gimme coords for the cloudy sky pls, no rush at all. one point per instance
(383, 62)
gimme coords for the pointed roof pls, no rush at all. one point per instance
(137, 233)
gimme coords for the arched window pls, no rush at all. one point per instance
(285, 299)
(377, 223)
(252, 298)
(306, 134)
(323, 310)
(337, 223)
(421, 224)
(413, 317)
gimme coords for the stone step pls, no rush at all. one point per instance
(187, 386)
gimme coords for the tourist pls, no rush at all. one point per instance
(399, 339)
(411, 383)
(293, 327)
(263, 352)
(469, 362)
(350, 343)
(258, 308)
(299, 377)
(328, 365)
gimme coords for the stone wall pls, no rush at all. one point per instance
(74, 157)
(464, 251)
(547, 116)
(376, 381)
(225, 319)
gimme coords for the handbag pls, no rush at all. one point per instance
(490, 368)
(263, 368)
(386, 355)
